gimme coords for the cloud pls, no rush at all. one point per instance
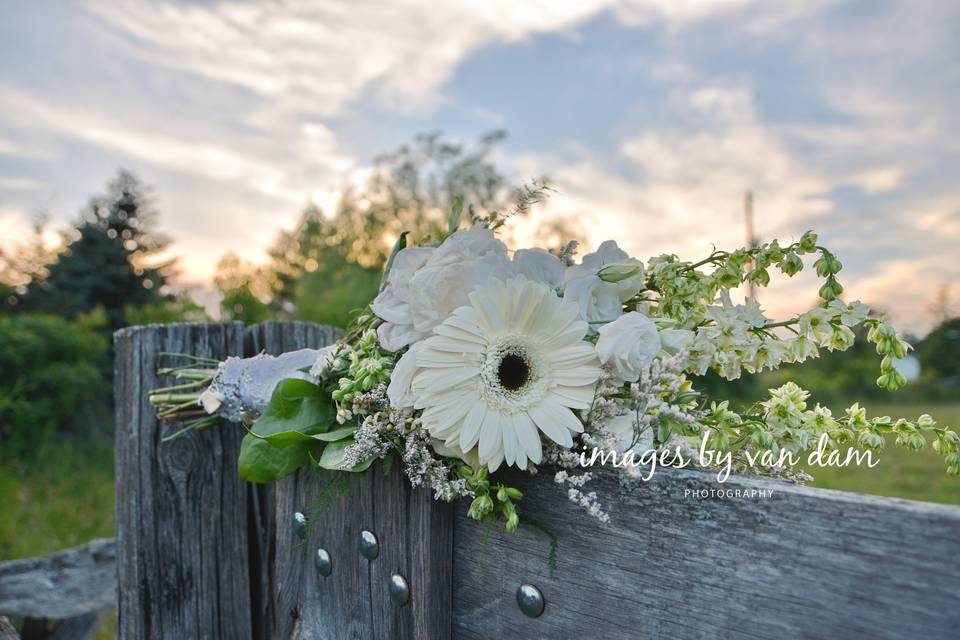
(10, 148)
(680, 189)
(879, 179)
(220, 157)
(17, 184)
(321, 56)
(675, 178)
(941, 216)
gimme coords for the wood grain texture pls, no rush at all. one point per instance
(181, 507)
(203, 555)
(65, 584)
(353, 602)
(415, 534)
(276, 593)
(803, 563)
(7, 632)
(77, 628)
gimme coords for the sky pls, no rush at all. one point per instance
(651, 118)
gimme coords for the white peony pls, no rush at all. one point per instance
(600, 301)
(628, 345)
(425, 285)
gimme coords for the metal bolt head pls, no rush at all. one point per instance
(530, 600)
(369, 545)
(300, 525)
(322, 561)
(399, 590)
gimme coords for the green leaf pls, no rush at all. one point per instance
(261, 461)
(287, 438)
(455, 213)
(399, 246)
(336, 434)
(332, 457)
(388, 463)
(277, 446)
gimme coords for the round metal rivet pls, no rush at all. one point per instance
(399, 590)
(322, 560)
(300, 525)
(369, 545)
(530, 600)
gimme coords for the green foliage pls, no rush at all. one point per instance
(105, 261)
(295, 406)
(52, 378)
(335, 291)
(939, 353)
(330, 266)
(834, 375)
(179, 308)
(239, 284)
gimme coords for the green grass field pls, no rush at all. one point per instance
(64, 497)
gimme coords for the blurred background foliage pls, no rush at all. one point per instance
(60, 305)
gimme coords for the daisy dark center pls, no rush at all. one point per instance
(513, 372)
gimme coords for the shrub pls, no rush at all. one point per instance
(52, 379)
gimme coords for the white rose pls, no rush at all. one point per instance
(599, 301)
(538, 265)
(628, 345)
(427, 284)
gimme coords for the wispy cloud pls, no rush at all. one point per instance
(652, 116)
(17, 184)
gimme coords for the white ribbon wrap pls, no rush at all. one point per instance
(243, 386)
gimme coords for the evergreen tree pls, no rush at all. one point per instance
(939, 353)
(105, 261)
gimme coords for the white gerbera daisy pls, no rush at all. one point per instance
(511, 362)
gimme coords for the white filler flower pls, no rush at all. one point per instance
(498, 371)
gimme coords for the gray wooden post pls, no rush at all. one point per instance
(415, 536)
(181, 507)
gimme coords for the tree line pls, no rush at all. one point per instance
(59, 306)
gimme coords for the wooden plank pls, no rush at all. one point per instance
(77, 628)
(415, 535)
(279, 583)
(353, 602)
(801, 563)
(65, 584)
(181, 507)
(7, 632)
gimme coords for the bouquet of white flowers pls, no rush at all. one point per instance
(471, 361)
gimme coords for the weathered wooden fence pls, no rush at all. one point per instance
(201, 554)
